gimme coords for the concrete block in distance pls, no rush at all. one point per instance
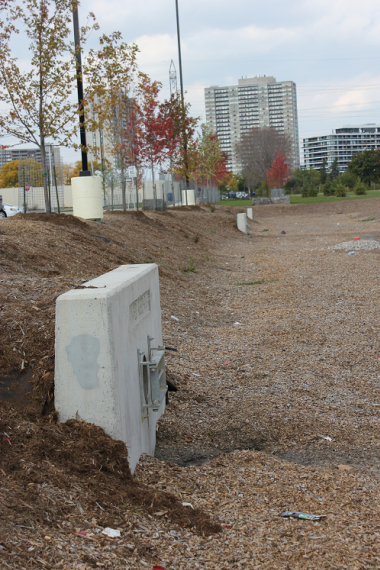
(250, 213)
(188, 198)
(242, 224)
(99, 330)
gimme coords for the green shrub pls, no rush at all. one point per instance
(212, 209)
(349, 179)
(312, 192)
(304, 191)
(328, 190)
(360, 189)
(340, 190)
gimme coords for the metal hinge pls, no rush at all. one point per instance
(152, 378)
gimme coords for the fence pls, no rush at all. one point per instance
(31, 194)
(160, 195)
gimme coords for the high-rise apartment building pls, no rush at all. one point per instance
(254, 102)
(342, 144)
(10, 154)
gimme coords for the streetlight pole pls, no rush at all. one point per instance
(183, 101)
(179, 49)
(78, 56)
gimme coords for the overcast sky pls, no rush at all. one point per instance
(329, 48)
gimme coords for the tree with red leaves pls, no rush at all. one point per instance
(210, 162)
(156, 129)
(279, 172)
(180, 142)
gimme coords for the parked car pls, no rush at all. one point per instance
(7, 210)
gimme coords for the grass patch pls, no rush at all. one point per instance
(190, 268)
(297, 199)
(266, 230)
(236, 203)
(367, 220)
(260, 282)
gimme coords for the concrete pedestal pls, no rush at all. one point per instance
(99, 331)
(190, 198)
(250, 213)
(87, 197)
(242, 224)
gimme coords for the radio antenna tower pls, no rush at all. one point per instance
(172, 78)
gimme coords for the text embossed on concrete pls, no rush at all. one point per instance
(139, 308)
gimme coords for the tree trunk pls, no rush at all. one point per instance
(44, 176)
(41, 127)
(123, 185)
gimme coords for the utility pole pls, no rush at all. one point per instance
(78, 55)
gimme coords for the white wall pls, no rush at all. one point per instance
(35, 197)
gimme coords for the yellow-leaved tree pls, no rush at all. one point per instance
(38, 100)
(9, 175)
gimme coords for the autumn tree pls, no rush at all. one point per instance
(156, 127)
(72, 170)
(110, 73)
(278, 173)
(38, 98)
(182, 147)
(211, 164)
(9, 175)
(256, 150)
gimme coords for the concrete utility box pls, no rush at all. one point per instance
(250, 213)
(109, 358)
(242, 224)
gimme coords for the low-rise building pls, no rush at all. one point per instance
(342, 144)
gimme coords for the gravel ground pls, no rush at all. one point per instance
(357, 245)
(277, 405)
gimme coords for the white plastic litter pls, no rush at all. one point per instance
(111, 532)
(187, 505)
(237, 323)
(327, 438)
(175, 318)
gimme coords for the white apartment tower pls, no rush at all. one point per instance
(254, 102)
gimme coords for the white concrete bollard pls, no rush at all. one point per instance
(250, 213)
(242, 224)
(87, 197)
(101, 345)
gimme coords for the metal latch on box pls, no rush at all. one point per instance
(152, 378)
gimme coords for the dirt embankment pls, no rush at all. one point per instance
(42, 257)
